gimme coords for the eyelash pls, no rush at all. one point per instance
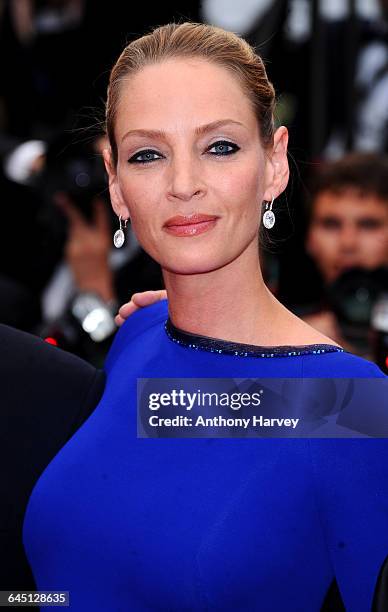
(133, 159)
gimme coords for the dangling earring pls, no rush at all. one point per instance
(119, 236)
(269, 215)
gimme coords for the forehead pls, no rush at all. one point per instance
(349, 203)
(178, 95)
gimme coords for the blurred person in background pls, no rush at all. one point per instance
(347, 239)
(92, 277)
(59, 266)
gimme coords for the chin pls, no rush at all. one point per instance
(180, 264)
(194, 258)
(188, 269)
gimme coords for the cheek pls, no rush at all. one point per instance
(140, 198)
(323, 244)
(375, 245)
(241, 189)
(250, 180)
(142, 221)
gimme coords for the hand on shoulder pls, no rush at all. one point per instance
(137, 301)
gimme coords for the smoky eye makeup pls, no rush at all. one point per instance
(147, 154)
(227, 147)
(223, 148)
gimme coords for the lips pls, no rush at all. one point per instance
(186, 226)
(189, 219)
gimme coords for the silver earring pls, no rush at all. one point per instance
(119, 236)
(269, 215)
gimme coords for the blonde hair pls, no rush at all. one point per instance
(202, 41)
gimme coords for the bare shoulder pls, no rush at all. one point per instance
(315, 329)
(310, 335)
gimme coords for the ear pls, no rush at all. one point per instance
(117, 200)
(277, 170)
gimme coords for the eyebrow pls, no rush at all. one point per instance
(201, 129)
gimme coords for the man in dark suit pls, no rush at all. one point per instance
(45, 396)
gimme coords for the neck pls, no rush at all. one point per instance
(230, 303)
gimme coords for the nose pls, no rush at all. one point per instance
(185, 180)
(348, 239)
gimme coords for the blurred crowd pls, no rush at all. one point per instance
(327, 256)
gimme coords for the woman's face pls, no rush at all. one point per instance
(189, 147)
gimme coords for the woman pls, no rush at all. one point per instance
(124, 523)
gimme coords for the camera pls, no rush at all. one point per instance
(359, 299)
(73, 168)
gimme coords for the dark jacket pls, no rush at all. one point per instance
(45, 395)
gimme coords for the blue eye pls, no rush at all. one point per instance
(149, 154)
(223, 144)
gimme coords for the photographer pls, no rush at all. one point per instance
(92, 277)
(347, 238)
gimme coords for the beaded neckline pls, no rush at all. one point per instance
(226, 347)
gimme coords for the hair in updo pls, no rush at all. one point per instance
(195, 40)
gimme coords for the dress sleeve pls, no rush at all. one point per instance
(351, 486)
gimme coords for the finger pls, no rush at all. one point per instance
(146, 298)
(139, 300)
(67, 206)
(127, 309)
(119, 320)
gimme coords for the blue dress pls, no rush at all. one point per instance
(132, 524)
